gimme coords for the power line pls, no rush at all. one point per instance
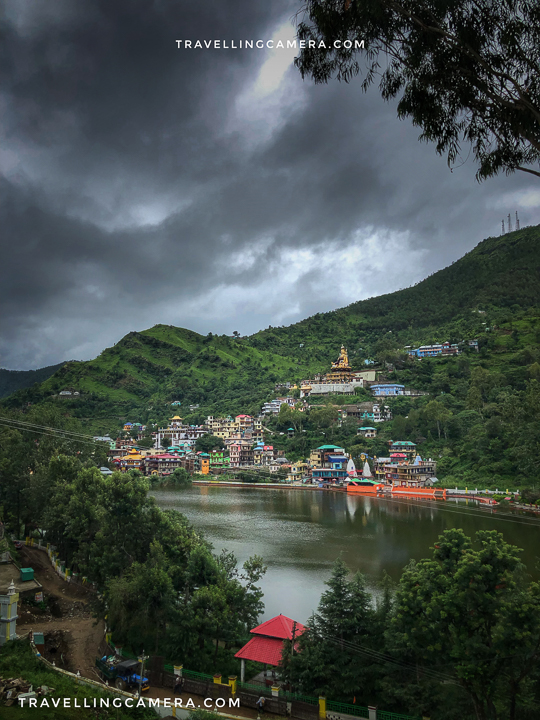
(87, 439)
(385, 658)
(26, 424)
(58, 435)
(469, 513)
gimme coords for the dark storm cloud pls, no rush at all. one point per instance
(143, 184)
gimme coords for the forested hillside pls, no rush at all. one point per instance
(480, 418)
(500, 275)
(13, 380)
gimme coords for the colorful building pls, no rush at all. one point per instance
(263, 455)
(297, 472)
(132, 461)
(204, 463)
(403, 446)
(331, 463)
(399, 470)
(177, 432)
(444, 349)
(165, 463)
(241, 454)
(219, 459)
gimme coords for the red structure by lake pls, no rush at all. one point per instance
(267, 644)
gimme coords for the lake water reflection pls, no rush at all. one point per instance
(299, 534)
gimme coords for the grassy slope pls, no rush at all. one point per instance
(145, 371)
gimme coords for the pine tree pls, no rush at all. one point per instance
(329, 660)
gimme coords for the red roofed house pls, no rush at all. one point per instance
(267, 644)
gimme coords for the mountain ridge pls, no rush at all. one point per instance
(495, 282)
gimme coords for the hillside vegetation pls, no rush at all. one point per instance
(481, 419)
(145, 371)
(500, 275)
(13, 380)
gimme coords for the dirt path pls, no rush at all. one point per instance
(68, 623)
(52, 583)
(81, 637)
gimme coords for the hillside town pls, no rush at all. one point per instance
(243, 443)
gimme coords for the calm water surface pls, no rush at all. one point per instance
(299, 534)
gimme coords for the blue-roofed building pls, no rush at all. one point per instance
(386, 389)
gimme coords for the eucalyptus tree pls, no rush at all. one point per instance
(465, 71)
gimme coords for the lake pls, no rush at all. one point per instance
(300, 533)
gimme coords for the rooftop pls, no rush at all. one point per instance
(280, 626)
(262, 649)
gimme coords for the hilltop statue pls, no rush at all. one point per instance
(342, 363)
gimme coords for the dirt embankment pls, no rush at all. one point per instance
(72, 635)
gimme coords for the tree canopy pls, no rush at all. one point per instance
(465, 71)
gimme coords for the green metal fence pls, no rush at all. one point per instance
(197, 675)
(385, 715)
(301, 698)
(346, 709)
(331, 705)
(129, 655)
(249, 687)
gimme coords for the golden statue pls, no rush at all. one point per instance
(341, 370)
(342, 363)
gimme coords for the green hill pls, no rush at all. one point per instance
(500, 276)
(494, 285)
(145, 371)
(481, 418)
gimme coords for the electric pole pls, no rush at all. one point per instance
(141, 673)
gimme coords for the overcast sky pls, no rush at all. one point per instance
(210, 189)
